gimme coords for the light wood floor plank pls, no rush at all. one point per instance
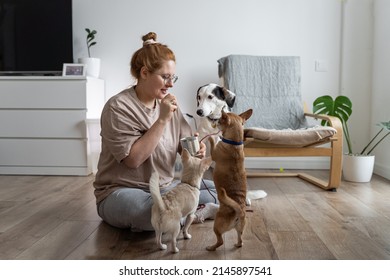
(342, 238)
(60, 242)
(300, 246)
(105, 243)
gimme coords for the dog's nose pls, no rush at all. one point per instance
(200, 112)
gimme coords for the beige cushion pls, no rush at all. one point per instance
(290, 137)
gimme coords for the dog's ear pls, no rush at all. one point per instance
(224, 120)
(218, 92)
(185, 155)
(246, 115)
(201, 88)
(224, 94)
(197, 94)
(230, 97)
(206, 163)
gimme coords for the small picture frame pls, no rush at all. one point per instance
(74, 69)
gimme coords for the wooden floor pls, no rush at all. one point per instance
(50, 217)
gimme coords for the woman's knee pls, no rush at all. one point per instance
(127, 208)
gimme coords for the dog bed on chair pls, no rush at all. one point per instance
(290, 137)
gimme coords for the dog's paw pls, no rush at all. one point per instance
(238, 245)
(211, 248)
(175, 250)
(187, 235)
(248, 202)
(215, 246)
(163, 246)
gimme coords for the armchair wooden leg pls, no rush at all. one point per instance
(304, 176)
(318, 182)
(335, 168)
(336, 161)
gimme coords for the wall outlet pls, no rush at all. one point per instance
(321, 65)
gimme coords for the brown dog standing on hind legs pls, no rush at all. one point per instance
(229, 176)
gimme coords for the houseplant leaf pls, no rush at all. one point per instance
(341, 107)
(90, 39)
(384, 126)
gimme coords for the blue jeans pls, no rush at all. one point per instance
(131, 207)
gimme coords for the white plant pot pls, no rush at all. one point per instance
(93, 66)
(358, 168)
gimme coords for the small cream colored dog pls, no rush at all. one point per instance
(181, 201)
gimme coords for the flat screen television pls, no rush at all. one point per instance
(35, 36)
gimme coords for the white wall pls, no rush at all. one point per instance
(202, 31)
(365, 73)
(381, 83)
(356, 67)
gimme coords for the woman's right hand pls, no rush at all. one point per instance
(168, 106)
(145, 145)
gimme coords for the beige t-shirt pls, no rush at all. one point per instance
(124, 120)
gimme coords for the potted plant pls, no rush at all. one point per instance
(90, 39)
(93, 63)
(357, 167)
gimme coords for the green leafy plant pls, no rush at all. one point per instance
(90, 39)
(341, 107)
(385, 126)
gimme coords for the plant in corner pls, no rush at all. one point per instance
(385, 126)
(341, 107)
(93, 64)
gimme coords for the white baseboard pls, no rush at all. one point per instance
(45, 170)
(287, 163)
(382, 170)
(303, 163)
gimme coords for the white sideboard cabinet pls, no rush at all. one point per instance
(43, 124)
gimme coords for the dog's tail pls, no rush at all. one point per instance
(154, 188)
(225, 199)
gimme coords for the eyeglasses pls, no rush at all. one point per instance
(168, 78)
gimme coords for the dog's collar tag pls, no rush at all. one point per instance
(231, 142)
